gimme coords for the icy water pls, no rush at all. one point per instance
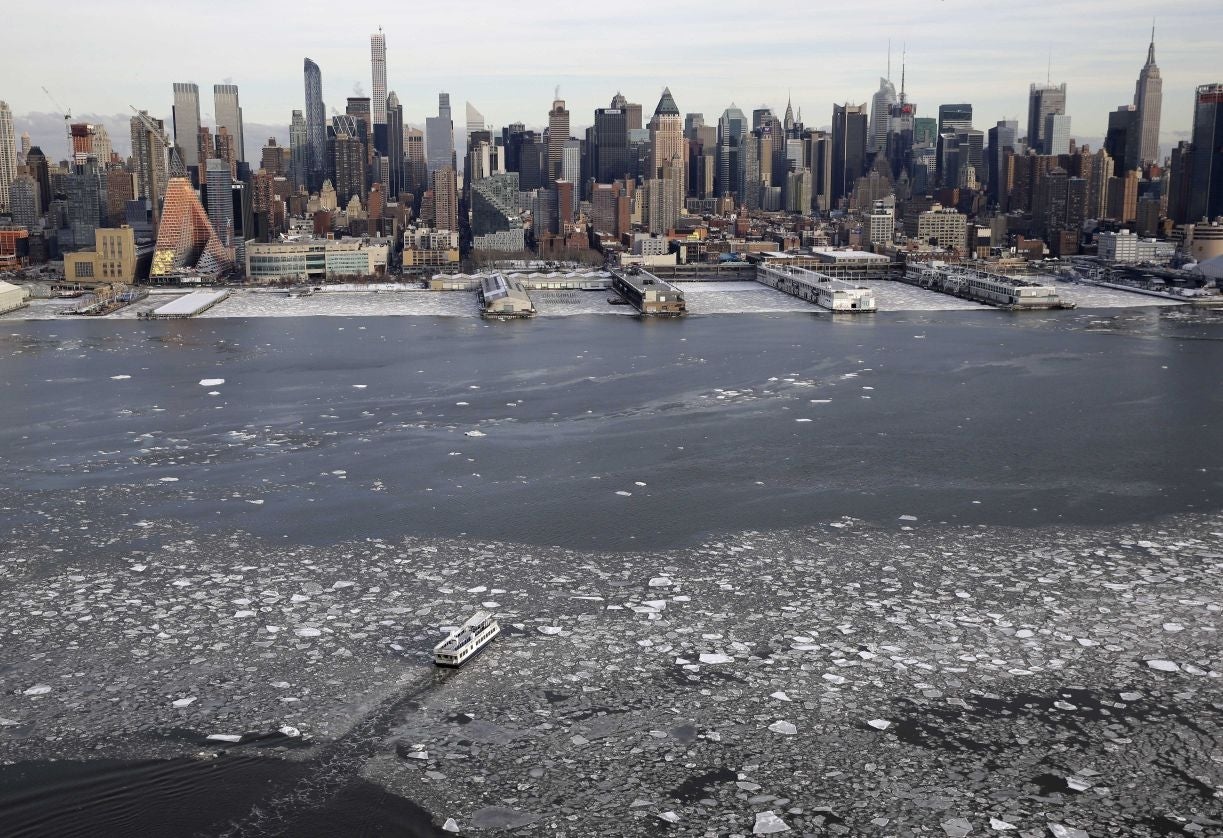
(893, 574)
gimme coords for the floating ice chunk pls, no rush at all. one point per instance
(299, 598)
(169, 480)
(780, 695)
(1079, 783)
(307, 631)
(120, 377)
(1163, 666)
(478, 589)
(669, 817)
(290, 731)
(257, 502)
(624, 494)
(796, 420)
(339, 585)
(660, 582)
(1131, 696)
(475, 433)
(271, 629)
(956, 827)
(461, 404)
(1173, 627)
(783, 727)
(281, 685)
(908, 517)
(638, 483)
(211, 382)
(37, 689)
(879, 724)
(359, 386)
(715, 657)
(549, 630)
(1001, 826)
(224, 737)
(490, 605)
(1061, 831)
(240, 615)
(833, 679)
(767, 823)
(450, 825)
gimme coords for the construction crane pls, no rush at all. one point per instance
(67, 122)
(149, 124)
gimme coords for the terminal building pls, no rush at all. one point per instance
(649, 294)
(1128, 247)
(501, 297)
(316, 260)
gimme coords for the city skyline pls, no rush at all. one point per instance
(429, 52)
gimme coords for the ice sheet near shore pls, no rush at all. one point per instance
(848, 680)
(732, 297)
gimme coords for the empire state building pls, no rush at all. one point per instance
(1148, 99)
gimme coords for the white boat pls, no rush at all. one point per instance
(466, 640)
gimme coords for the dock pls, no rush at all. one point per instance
(189, 305)
(501, 297)
(647, 293)
(986, 287)
(825, 291)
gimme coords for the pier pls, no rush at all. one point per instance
(985, 287)
(647, 293)
(501, 297)
(190, 305)
(823, 290)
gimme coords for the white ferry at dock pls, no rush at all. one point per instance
(466, 640)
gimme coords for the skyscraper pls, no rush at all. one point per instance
(1148, 100)
(1122, 141)
(1055, 137)
(186, 115)
(954, 117)
(149, 155)
(475, 119)
(445, 199)
(849, 129)
(611, 141)
(228, 115)
(1043, 100)
(299, 148)
(377, 63)
(1206, 167)
(558, 133)
(439, 136)
(316, 124)
(185, 236)
(8, 154)
(394, 141)
(732, 126)
(667, 137)
(881, 110)
(219, 187)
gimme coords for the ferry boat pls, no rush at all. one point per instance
(466, 640)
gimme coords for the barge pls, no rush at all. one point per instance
(469, 638)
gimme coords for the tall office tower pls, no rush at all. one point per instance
(898, 149)
(219, 188)
(732, 126)
(445, 199)
(439, 136)
(416, 168)
(1002, 136)
(299, 147)
(1043, 100)
(228, 115)
(849, 130)
(475, 120)
(36, 164)
(881, 112)
(970, 161)
(119, 190)
(275, 159)
(667, 138)
(377, 63)
(1205, 198)
(1122, 141)
(227, 150)
(186, 115)
(571, 161)
(953, 117)
(817, 157)
(348, 157)
(665, 193)
(86, 192)
(149, 157)
(8, 154)
(358, 108)
(611, 141)
(558, 133)
(1055, 137)
(394, 146)
(23, 201)
(24, 146)
(1148, 100)
(633, 111)
(316, 125)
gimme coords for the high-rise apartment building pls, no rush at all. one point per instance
(394, 145)
(228, 115)
(299, 149)
(849, 130)
(23, 201)
(558, 133)
(732, 127)
(218, 191)
(881, 112)
(316, 125)
(445, 188)
(186, 116)
(348, 160)
(377, 63)
(439, 136)
(1043, 100)
(86, 194)
(8, 154)
(1205, 192)
(149, 156)
(1148, 101)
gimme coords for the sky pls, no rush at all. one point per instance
(508, 58)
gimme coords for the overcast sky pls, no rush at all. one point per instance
(507, 57)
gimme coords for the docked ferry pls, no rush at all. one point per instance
(466, 640)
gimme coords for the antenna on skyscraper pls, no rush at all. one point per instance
(903, 50)
(1049, 71)
(889, 59)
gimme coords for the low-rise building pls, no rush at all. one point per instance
(944, 226)
(1125, 246)
(426, 247)
(314, 260)
(12, 297)
(115, 258)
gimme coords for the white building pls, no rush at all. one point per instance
(313, 260)
(502, 241)
(12, 297)
(881, 225)
(944, 226)
(1127, 247)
